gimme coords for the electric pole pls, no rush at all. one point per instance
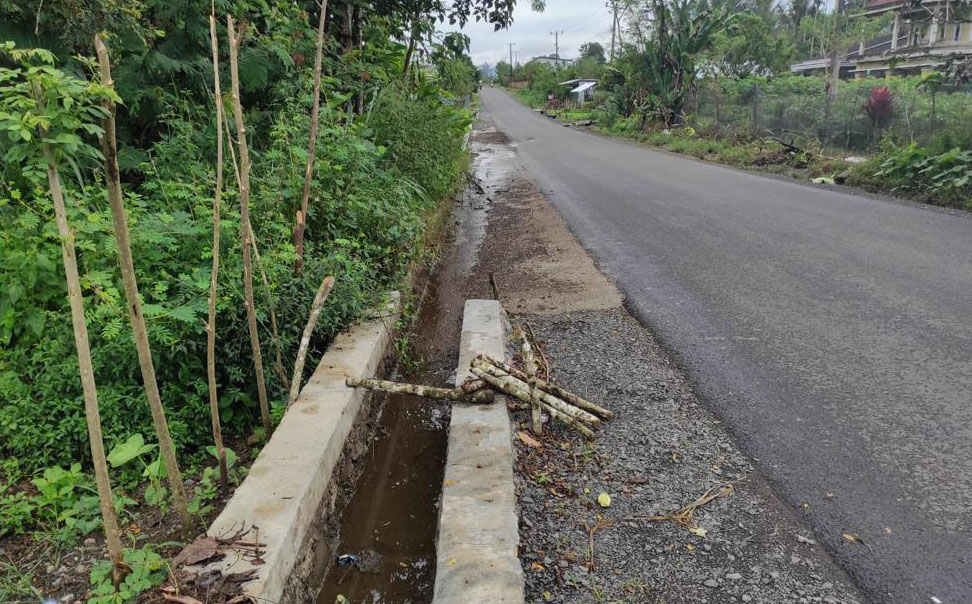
(614, 24)
(556, 35)
(511, 45)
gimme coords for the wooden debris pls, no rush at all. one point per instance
(553, 389)
(471, 392)
(685, 516)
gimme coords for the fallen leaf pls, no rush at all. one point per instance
(529, 440)
(851, 538)
(547, 596)
(689, 547)
(200, 550)
(697, 531)
(180, 599)
(449, 483)
(537, 566)
(451, 562)
(604, 500)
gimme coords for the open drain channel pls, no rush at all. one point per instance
(388, 528)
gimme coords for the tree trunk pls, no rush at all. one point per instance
(459, 393)
(322, 293)
(245, 221)
(214, 273)
(91, 414)
(120, 224)
(311, 145)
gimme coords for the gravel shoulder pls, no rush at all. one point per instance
(663, 450)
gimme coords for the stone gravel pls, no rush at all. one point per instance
(662, 451)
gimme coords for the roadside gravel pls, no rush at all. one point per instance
(662, 451)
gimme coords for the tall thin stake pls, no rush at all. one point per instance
(311, 144)
(322, 293)
(214, 273)
(86, 370)
(120, 224)
(235, 41)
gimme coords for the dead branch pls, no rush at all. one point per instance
(214, 273)
(522, 388)
(509, 388)
(127, 266)
(553, 389)
(460, 393)
(686, 515)
(322, 293)
(244, 186)
(301, 225)
(530, 367)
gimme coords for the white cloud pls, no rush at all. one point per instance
(580, 20)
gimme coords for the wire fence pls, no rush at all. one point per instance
(798, 112)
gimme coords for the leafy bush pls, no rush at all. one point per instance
(947, 174)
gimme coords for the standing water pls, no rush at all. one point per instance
(387, 531)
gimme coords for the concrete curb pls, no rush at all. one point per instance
(278, 501)
(476, 548)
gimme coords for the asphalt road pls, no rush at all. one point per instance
(832, 332)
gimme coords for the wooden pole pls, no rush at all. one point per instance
(460, 393)
(234, 48)
(322, 292)
(120, 224)
(311, 144)
(214, 273)
(85, 367)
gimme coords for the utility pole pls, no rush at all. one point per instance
(614, 24)
(511, 45)
(556, 35)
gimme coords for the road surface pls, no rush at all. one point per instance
(831, 331)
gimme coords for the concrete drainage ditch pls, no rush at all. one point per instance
(290, 501)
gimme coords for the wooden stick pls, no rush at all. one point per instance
(545, 397)
(322, 292)
(444, 394)
(278, 367)
(311, 144)
(553, 389)
(140, 331)
(530, 365)
(521, 394)
(214, 273)
(234, 49)
(92, 415)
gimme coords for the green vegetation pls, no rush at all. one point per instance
(389, 149)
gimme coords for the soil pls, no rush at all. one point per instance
(663, 450)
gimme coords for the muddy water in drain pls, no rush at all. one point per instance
(389, 526)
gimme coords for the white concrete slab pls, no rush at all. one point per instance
(476, 548)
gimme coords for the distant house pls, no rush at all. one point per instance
(925, 35)
(551, 60)
(582, 90)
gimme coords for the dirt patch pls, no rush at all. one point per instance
(537, 265)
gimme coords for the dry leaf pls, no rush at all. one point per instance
(528, 440)
(604, 500)
(697, 531)
(537, 566)
(451, 562)
(180, 599)
(851, 538)
(200, 550)
(448, 483)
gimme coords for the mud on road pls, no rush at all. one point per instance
(663, 450)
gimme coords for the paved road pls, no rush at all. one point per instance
(832, 332)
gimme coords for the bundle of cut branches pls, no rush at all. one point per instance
(497, 377)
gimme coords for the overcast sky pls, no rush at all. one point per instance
(580, 20)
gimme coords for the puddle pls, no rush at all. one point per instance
(388, 528)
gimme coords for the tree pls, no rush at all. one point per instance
(677, 33)
(592, 50)
(748, 47)
(44, 112)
